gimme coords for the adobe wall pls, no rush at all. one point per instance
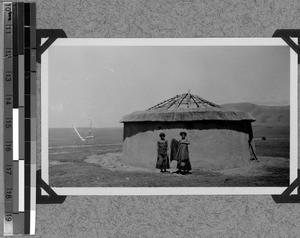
(209, 149)
(133, 128)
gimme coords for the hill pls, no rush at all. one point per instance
(264, 115)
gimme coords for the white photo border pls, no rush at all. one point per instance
(171, 190)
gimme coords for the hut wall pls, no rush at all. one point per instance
(209, 149)
(133, 128)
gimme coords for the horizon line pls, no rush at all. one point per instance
(258, 104)
(86, 127)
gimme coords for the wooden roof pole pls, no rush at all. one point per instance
(183, 97)
(192, 97)
(207, 102)
(174, 101)
(162, 103)
(189, 98)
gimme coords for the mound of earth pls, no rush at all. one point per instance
(113, 162)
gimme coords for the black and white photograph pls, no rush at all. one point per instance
(168, 114)
(159, 119)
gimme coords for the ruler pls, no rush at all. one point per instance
(19, 141)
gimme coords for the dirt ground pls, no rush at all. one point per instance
(107, 170)
(100, 165)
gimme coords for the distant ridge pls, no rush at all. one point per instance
(264, 115)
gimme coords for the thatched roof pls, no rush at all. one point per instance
(187, 107)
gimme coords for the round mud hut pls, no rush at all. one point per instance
(219, 138)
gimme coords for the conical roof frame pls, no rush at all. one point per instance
(187, 107)
(184, 101)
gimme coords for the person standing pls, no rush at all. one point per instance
(163, 162)
(180, 153)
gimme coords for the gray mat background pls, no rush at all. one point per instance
(168, 216)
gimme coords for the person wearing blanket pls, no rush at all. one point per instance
(180, 153)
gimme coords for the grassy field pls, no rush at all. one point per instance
(68, 168)
(277, 143)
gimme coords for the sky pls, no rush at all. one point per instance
(103, 83)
